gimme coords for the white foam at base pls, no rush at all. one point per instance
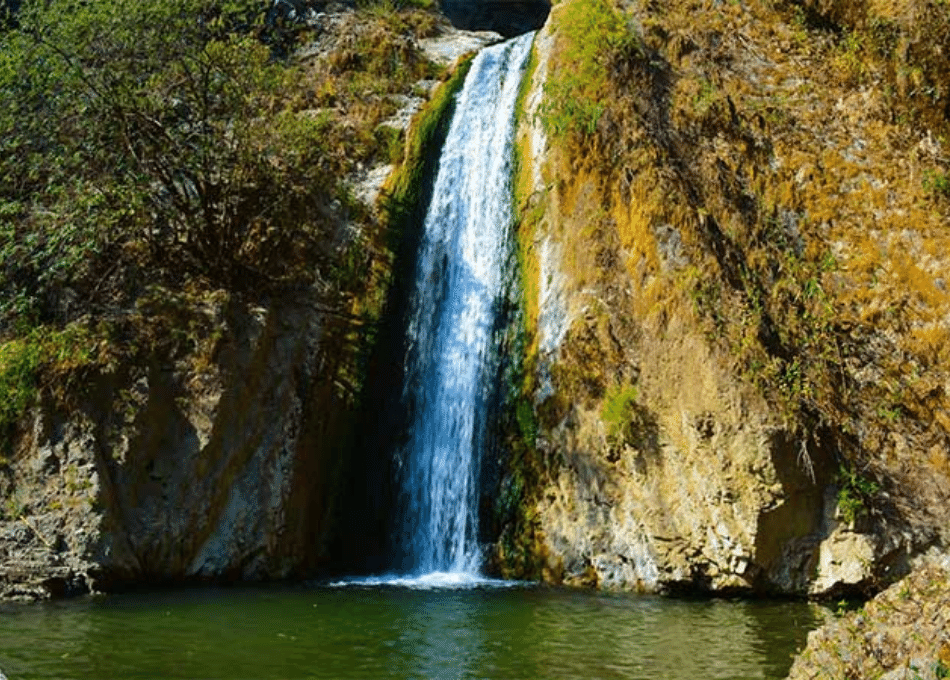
(437, 580)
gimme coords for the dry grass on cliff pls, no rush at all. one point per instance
(783, 167)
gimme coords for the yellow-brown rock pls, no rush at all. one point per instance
(733, 243)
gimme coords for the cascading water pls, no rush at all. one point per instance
(451, 360)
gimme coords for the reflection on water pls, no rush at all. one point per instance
(362, 631)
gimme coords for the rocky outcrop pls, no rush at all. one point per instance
(507, 17)
(660, 462)
(218, 439)
(173, 471)
(903, 633)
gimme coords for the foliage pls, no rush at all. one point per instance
(175, 147)
(574, 95)
(386, 6)
(164, 131)
(937, 182)
(527, 421)
(617, 411)
(404, 186)
(168, 135)
(855, 493)
(66, 353)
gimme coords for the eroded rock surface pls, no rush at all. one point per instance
(168, 473)
(903, 633)
(660, 465)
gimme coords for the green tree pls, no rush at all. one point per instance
(161, 130)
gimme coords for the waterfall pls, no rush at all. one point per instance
(451, 361)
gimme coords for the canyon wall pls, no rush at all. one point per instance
(171, 472)
(695, 425)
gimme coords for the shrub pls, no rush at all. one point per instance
(165, 131)
(937, 183)
(617, 411)
(64, 353)
(855, 493)
(592, 32)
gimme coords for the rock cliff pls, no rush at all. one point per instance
(715, 200)
(170, 471)
(206, 433)
(734, 342)
(903, 633)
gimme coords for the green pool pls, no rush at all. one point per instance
(363, 631)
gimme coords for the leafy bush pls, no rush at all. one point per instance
(173, 146)
(937, 183)
(855, 493)
(162, 134)
(66, 352)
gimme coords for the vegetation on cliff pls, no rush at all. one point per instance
(790, 197)
(903, 633)
(189, 286)
(156, 155)
(776, 173)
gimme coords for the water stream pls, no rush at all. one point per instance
(451, 359)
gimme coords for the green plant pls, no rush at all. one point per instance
(402, 190)
(64, 353)
(705, 97)
(19, 361)
(852, 58)
(855, 493)
(527, 421)
(617, 410)
(937, 183)
(390, 141)
(593, 32)
(14, 507)
(165, 133)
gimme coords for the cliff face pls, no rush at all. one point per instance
(196, 431)
(718, 202)
(733, 246)
(172, 471)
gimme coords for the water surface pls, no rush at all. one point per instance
(400, 632)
